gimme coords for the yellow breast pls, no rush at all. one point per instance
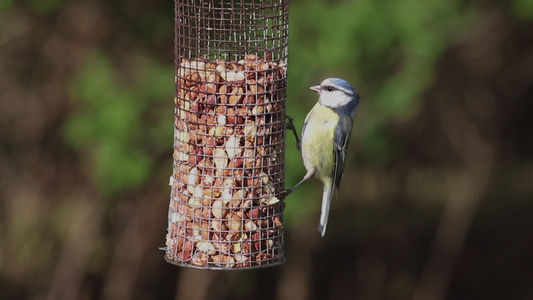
(317, 141)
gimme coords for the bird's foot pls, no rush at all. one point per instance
(290, 125)
(286, 192)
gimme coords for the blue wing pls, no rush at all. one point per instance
(340, 147)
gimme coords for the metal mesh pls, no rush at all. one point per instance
(226, 209)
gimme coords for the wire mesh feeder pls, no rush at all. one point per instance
(226, 210)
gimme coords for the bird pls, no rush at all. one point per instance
(325, 137)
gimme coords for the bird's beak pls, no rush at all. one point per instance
(315, 88)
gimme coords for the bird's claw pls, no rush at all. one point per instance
(286, 192)
(290, 125)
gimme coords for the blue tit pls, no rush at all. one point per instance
(325, 138)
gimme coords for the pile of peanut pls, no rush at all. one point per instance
(225, 210)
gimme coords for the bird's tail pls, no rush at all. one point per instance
(326, 202)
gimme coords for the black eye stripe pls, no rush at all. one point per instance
(331, 88)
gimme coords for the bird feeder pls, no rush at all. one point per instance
(226, 206)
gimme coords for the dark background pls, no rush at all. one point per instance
(436, 202)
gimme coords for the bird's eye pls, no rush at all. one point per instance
(329, 88)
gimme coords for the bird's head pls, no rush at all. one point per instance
(336, 93)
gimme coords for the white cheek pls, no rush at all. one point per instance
(335, 99)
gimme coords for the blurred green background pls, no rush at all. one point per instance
(436, 201)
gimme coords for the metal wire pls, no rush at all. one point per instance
(226, 209)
